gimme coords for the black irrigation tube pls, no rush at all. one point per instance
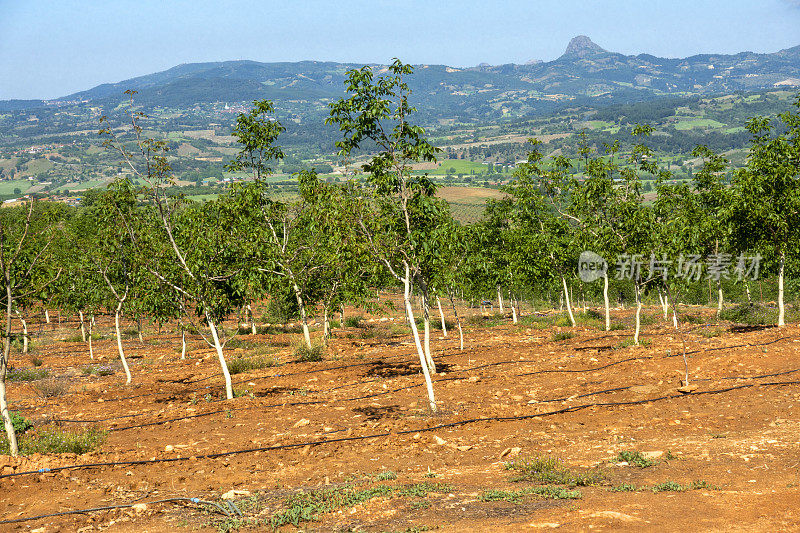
(570, 409)
(112, 507)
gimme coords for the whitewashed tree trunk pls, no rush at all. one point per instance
(83, 327)
(303, 317)
(605, 301)
(567, 302)
(46, 315)
(719, 296)
(218, 346)
(426, 320)
(12, 436)
(781, 307)
(119, 344)
(24, 324)
(441, 315)
(91, 327)
(513, 302)
(253, 330)
(747, 292)
(326, 328)
(139, 330)
(499, 299)
(638, 316)
(415, 333)
(183, 343)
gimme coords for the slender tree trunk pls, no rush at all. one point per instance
(441, 315)
(46, 315)
(747, 292)
(183, 343)
(638, 315)
(253, 330)
(513, 310)
(341, 317)
(12, 436)
(303, 317)
(325, 326)
(426, 319)
(605, 301)
(119, 344)
(415, 333)
(83, 327)
(719, 296)
(499, 299)
(24, 331)
(566, 298)
(139, 330)
(218, 346)
(91, 350)
(781, 307)
(458, 323)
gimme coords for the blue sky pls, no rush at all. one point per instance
(57, 47)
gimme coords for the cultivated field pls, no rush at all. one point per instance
(538, 429)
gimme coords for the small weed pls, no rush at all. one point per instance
(617, 326)
(386, 476)
(701, 484)
(20, 423)
(36, 361)
(309, 355)
(634, 458)
(669, 486)
(421, 504)
(302, 391)
(717, 435)
(551, 470)
(429, 473)
(26, 374)
(242, 393)
(562, 336)
(624, 487)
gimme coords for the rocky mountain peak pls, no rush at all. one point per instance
(582, 46)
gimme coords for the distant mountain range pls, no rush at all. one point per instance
(585, 73)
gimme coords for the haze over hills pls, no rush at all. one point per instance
(585, 72)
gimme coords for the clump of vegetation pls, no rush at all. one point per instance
(634, 458)
(623, 487)
(307, 506)
(562, 336)
(669, 486)
(552, 470)
(51, 388)
(627, 343)
(243, 364)
(36, 361)
(710, 333)
(51, 441)
(617, 326)
(548, 491)
(353, 321)
(97, 370)
(750, 314)
(26, 374)
(693, 319)
(386, 476)
(20, 423)
(309, 355)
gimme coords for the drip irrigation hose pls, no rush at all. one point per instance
(563, 410)
(120, 506)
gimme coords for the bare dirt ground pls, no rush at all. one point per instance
(348, 443)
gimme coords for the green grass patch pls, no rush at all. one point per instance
(669, 486)
(353, 321)
(550, 470)
(623, 487)
(562, 336)
(750, 314)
